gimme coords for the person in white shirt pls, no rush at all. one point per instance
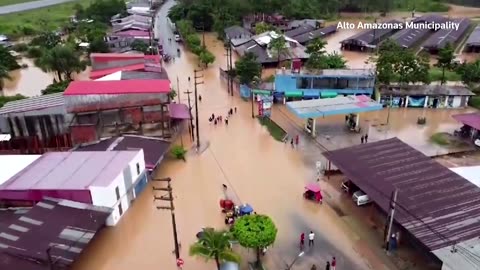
(311, 236)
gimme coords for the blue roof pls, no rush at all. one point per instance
(332, 106)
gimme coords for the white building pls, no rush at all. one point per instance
(111, 179)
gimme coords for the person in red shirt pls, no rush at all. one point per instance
(302, 240)
(334, 263)
(296, 140)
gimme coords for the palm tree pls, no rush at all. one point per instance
(3, 76)
(214, 245)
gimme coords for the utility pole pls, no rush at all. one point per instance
(230, 57)
(228, 48)
(195, 77)
(393, 201)
(253, 97)
(178, 90)
(168, 198)
(190, 128)
(389, 107)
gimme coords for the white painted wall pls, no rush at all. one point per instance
(106, 196)
(457, 101)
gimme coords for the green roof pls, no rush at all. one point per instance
(328, 94)
(294, 94)
(261, 92)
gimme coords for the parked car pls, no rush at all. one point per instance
(360, 198)
(349, 187)
(177, 38)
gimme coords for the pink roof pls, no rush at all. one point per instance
(117, 87)
(313, 187)
(469, 119)
(95, 74)
(70, 171)
(133, 33)
(106, 57)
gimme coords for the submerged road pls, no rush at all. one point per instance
(30, 5)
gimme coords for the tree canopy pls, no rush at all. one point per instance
(102, 10)
(446, 55)
(206, 57)
(139, 45)
(56, 87)
(278, 46)
(62, 60)
(255, 231)
(247, 68)
(4, 75)
(470, 73)
(214, 245)
(319, 59)
(7, 60)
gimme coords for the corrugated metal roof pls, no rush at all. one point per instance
(436, 205)
(474, 39)
(429, 90)
(322, 32)
(117, 87)
(300, 30)
(369, 36)
(444, 36)
(12, 164)
(33, 103)
(469, 119)
(70, 171)
(66, 227)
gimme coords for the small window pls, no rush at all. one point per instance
(138, 168)
(117, 192)
(120, 209)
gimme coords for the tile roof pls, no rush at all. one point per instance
(437, 206)
(65, 227)
(117, 87)
(33, 103)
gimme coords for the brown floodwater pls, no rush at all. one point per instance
(27, 81)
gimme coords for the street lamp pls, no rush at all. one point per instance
(295, 260)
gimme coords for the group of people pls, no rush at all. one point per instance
(329, 266)
(364, 139)
(293, 140)
(311, 242)
(219, 119)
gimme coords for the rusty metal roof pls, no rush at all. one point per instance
(439, 207)
(66, 227)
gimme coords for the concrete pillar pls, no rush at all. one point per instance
(357, 121)
(14, 130)
(406, 101)
(284, 100)
(24, 126)
(425, 105)
(38, 128)
(54, 124)
(446, 101)
(314, 128)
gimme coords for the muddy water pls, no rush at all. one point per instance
(267, 174)
(28, 81)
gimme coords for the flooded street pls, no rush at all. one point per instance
(28, 81)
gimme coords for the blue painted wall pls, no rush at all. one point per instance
(245, 91)
(288, 82)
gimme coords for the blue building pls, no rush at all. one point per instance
(324, 83)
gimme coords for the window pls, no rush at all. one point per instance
(117, 192)
(120, 209)
(303, 83)
(138, 168)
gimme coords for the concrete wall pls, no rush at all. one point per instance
(133, 175)
(83, 133)
(346, 85)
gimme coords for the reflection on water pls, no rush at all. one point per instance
(28, 81)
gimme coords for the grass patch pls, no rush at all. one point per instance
(420, 5)
(13, 2)
(275, 130)
(474, 102)
(43, 19)
(436, 75)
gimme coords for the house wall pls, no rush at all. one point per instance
(309, 83)
(443, 101)
(130, 183)
(34, 195)
(83, 133)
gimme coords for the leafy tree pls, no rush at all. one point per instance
(263, 27)
(179, 152)
(5, 99)
(201, 17)
(62, 60)
(316, 46)
(139, 45)
(89, 31)
(255, 231)
(470, 72)
(4, 75)
(103, 10)
(206, 57)
(247, 68)
(446, 55)
(278, 46)
(177, 13)
(56, 87)
(35, 52)
(98, 45)
(46, 40)
(7, 60)
(172, 94)
(335, 61)
(214, 245)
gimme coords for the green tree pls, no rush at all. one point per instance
(278, 46)
(4, 75)
(247, 68)
(103, 10)
(214, 245)
(98, 45)
(201, 17)
(263, 27)
(316, 46)
(335, 61)
(56, 87)
(255, 231)
(178, 12)
(206, 57)
(446, 55)
(139, 45)
(7, 60)
(46, 40)
(61, 60)
(470, 73)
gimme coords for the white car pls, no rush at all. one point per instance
(177, 38)
(360, 198)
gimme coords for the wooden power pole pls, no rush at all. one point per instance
(195, 82)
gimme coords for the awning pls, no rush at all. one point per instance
(328, 94)
(179, 111)
(261, 92)
(294, 94)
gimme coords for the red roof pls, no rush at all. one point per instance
(95, 74)
(106, 57)
(117, 87)
(469, 119)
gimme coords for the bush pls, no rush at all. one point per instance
(34, 52)
(20, 47)
(178, 152)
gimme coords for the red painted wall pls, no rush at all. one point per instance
(83, 133)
